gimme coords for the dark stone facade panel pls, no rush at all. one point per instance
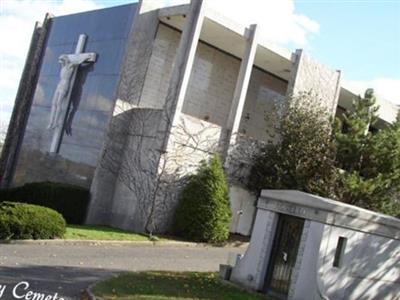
(92, 98)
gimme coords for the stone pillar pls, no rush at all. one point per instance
(309, 75)
(239, 95)
(250, 271)
(181, 71)
(23, 102)
(243, 80)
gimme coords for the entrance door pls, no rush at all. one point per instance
(283, 255)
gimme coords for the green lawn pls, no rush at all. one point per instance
(105, 233)
(157, 285)
(85, 232)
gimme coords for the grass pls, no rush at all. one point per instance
(86, 232)
(157, 285)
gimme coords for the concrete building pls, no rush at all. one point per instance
(308, 247)
(170, 87)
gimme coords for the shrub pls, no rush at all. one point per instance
(26, 221)
(203, 213)
(69, 200)
(303, 156)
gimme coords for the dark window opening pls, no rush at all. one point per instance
(340, 248)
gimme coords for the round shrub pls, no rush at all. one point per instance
(203, 213)
(27, 221)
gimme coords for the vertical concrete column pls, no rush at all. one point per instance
(243, 80)
(239, 95)
(182, 69)
(23, 103)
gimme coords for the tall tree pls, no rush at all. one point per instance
(303, 156)
(370, 160)
(352, 133)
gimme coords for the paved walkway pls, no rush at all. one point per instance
(68, 269)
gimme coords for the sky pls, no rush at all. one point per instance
(359, 37)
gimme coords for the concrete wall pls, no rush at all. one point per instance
(128, 204)
(237, 165)
(264, 96)
(240, 157)
(211, 86)
(192, 140)
(207, 104)
(127, 97)
(159, 70)
(243, 208)
(370, 268)
(308, 75)
(146, 189)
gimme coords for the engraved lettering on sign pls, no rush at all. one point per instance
(291, 209)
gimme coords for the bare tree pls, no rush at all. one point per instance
(154, 177)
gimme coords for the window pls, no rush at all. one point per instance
(340, 248)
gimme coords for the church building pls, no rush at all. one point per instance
(128, 100)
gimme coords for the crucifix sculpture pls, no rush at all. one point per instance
(61, 103)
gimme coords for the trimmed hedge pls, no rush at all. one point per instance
(203, 213)
(69, 200)
(26, 221)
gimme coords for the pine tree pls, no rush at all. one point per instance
(370, 161)
(352, 134)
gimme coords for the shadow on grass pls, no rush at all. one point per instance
(157, 285)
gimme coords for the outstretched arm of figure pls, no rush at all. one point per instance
(77, 59)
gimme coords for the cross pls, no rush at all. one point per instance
(61, 102)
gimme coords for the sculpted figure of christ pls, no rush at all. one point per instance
(69, 63)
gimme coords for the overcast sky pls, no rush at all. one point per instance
(362, 38)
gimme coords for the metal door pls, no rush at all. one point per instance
(283, 255)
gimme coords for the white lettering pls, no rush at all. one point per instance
(14, 292)
(28, 295)
(2, 289)
(38, 296)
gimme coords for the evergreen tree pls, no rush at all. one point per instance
(203, 213)
(370, 161)
(352, 134)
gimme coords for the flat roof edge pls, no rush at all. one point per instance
(240, 29)
(332, 212)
